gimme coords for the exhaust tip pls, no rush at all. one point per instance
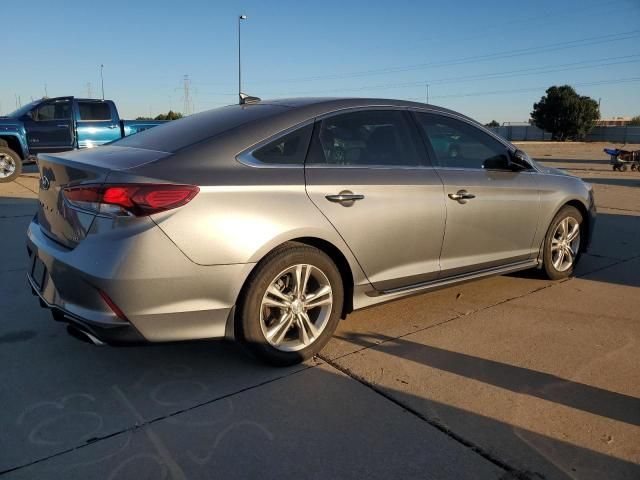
(83, 336)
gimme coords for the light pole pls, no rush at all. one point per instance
(102, 80)
(240, 18)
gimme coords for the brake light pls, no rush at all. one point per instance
(130, 199)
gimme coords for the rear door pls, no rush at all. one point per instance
(96, 123)
(366, 172)
(492, 211)
(50, 127)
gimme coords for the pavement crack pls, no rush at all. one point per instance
(141, 424)
(512, 471)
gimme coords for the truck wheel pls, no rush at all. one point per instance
(623, 168)
(10, 165)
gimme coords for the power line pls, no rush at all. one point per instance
(531, 89)
(581, 65)
(612, 37)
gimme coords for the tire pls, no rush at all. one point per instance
(622, 168)
(10, 165)
(553, 266)
(614, 168)
(256, 324)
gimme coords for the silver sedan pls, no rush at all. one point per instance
(270, 221)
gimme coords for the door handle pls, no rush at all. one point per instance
(62, 125)
(113, 126)
(461, 196)
(346, 198)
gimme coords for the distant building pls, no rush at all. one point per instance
(613, 122)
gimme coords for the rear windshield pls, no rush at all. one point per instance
(177, 134)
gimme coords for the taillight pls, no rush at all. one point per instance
(130, 199)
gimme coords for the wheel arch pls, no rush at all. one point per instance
(325, 246)
(13, 142)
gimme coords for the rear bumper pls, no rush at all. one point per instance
(162, 294)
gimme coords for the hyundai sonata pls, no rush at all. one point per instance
(268, 222)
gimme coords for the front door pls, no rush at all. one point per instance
(50, 127)
(365, 171)
(492, 210)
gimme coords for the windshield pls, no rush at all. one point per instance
(22, 110)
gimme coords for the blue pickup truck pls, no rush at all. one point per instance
(58, 124)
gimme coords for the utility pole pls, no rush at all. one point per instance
(187, 95)
(102, 79)
(240, 18)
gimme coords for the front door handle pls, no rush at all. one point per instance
(113, 126)
(63, 125)
(346, 198)
(461, 196)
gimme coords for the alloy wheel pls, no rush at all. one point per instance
(296, 307)
(565, 244)
(7, 165)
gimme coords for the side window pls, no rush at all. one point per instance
(290, 149)
(365, 138)
(53, 111)
(94, 111)
(457, 144)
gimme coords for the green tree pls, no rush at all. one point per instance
(635, 121)
(492, 123)
(170, 115)
(565, 114)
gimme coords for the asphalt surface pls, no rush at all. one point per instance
(512, 377)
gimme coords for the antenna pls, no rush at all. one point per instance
(46, 94)
(102, 79)
(89, 92)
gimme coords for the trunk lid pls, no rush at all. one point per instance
(58, 220)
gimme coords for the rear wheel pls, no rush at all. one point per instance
(291, 305)
(562, 243)
(10, 165)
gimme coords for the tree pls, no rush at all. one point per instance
(635, 121)
(565, 114)
(170, 115)
(492, 123)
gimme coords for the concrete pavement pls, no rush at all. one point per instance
(508, 377)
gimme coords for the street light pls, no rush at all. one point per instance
(240, 18)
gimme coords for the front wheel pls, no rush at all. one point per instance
(291, 305)
(10, 165)
(562, 243)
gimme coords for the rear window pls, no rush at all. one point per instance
(175, 135)
(94, 111)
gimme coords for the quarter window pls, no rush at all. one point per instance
(365, 138)
(53, 111)
(457, 144)
(94, 111)
(290, 149)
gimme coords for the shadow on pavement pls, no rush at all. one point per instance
(618, 182)
(570, 160)
(542, 385)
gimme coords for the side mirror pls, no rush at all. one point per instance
(519, 160)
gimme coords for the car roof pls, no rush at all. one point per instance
(323, 105)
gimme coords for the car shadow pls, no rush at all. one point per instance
(618, 182)
(570, 161)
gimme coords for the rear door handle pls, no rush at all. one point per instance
(113, 126)
(346, 198)
(461, 196)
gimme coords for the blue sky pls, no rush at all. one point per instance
(489, 59)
